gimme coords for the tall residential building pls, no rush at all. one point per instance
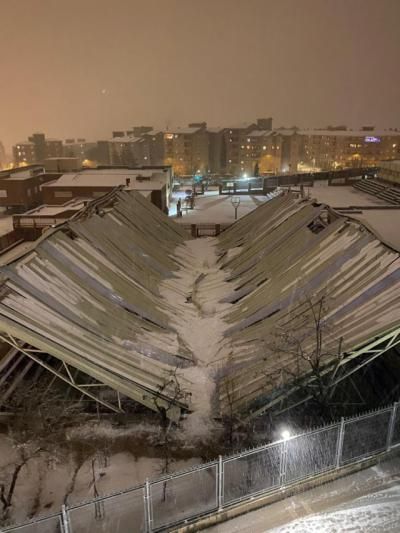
(216, 150)
(330, 149)
(241, 145)
(79, 148)
(186, 150)
(36, 149)
(234, 136)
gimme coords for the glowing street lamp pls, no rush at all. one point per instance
(285, 434)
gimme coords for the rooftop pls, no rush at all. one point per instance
(350, 133)
(107, 294)
(111, 178)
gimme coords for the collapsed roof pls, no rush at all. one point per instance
(288, 258)
(88, 296)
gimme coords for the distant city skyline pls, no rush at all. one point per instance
(86, 67)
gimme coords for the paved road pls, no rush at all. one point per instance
(340, 493)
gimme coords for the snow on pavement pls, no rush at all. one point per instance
(367, 501)
(377, 512)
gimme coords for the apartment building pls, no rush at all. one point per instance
(80, 149)
(330, 149)
(186, 149)
(216, 150)
(244, 145)
(36, 149)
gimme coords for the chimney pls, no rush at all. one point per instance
(127, 181)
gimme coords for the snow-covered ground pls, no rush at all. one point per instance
(45, 481)
(379, 511)
(214, 209)
(194, 295)
(342, 196)
(368, 501)
(384, 222)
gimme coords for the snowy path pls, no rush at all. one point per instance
(198, 317)
(366, 501)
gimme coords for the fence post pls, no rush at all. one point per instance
(340, 443)
(391, 426)
(147, 507)
(65, 520)
(282, 465)
(220, 483)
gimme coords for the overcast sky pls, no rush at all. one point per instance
(85, 67)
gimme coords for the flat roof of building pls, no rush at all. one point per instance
(50, 210)
(111, 178)
(351, 133)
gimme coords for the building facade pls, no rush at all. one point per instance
(331, 149)
(186, 150)
(21, 188)
(36, 149)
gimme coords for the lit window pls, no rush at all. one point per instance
(248, 140)
(264, 147)
(394, 146)
(230, 161)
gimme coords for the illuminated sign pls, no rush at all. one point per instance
(372, 140)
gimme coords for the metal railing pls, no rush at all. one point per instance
(177, 498)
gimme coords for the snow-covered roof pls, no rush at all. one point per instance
(184, 131)
(259, 133)
(241, 126)
(125, 139)
(351, 133)
(112, 178)
(281, 263)
(87, 294)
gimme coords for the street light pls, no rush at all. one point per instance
(285, 434)
(235, 201)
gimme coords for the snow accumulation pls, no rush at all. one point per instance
(377, 512)
(215, 209)
(195, 296)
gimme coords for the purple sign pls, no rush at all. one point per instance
(372, 140)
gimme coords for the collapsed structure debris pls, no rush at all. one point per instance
(84, 303)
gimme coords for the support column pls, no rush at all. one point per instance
(147, 507)
(391, 426)
(339, 448)
(220, 484)
(282, 466)
(65, 520)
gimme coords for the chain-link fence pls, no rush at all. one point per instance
(174, 499)
(48, 524)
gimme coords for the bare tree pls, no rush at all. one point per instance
(166, 423)
(306, 344)
(38, 428)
